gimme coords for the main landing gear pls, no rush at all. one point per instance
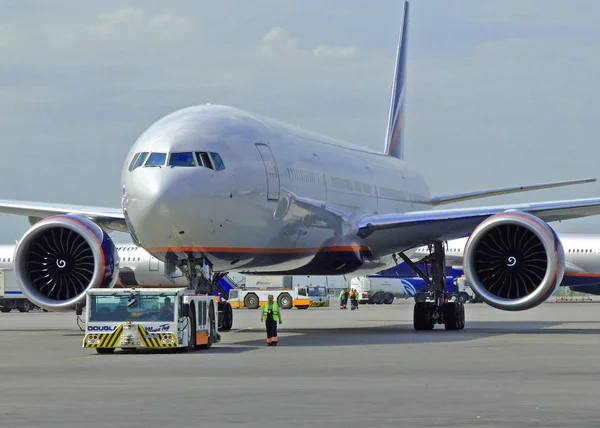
(202, 280)
(433, 306)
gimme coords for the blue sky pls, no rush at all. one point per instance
(500, 92)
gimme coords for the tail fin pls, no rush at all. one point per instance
(394, 140)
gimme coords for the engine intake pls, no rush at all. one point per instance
(514, 261)
(60, 258)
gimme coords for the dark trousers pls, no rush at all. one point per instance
(271, 326)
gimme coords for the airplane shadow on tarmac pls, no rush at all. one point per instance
(403, 334)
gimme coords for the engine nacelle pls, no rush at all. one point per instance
(61, 257)
(514, 261)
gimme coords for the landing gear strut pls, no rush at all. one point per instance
(202, 280)
(433, 306)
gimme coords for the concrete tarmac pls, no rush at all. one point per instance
(332, 368)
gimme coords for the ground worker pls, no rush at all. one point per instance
(352, 299)
(343, 298)
(356, 298)
(271, 314)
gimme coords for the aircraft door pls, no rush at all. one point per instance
(271, 170)
(154, 263)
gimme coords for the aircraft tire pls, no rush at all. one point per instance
(227, 317)
(454, 316)
(422, 320)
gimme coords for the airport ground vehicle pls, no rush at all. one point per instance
(133, 318)
(11, 296)
(255, 297)
(318, 296)
(465, 293)
(268, 281)
(379, 289)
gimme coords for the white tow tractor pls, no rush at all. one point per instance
(130, 318)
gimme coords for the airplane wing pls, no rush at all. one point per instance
(390, 233)
(459, 197)
(111, 218)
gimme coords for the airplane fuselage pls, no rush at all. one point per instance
(288, 200)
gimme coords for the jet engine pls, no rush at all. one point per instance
(514, 261)
(61, 257)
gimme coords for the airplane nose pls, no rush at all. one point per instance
(152, 206)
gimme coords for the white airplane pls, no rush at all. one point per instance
(582, 263)
(212, 189)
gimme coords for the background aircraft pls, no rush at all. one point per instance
(212, 189)
(582, 260)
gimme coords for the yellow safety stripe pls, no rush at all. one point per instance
(319, 304)
(154, 340)
(105, 340)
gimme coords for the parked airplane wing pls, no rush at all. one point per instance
(459, 197)
(389, 233)
(112, 218)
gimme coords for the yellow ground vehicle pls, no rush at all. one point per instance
(130, 318)
(254, 298)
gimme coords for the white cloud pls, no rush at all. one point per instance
(278, 42)
(112, 22)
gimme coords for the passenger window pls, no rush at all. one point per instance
(203, 159)
(182, 159)
(140, 160)
(133, 161)
(156, 159)
(218, 162)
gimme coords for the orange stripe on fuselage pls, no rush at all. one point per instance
(95, 239)
(341, 248)
(580, 274)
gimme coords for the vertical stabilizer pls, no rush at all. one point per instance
(394, 140)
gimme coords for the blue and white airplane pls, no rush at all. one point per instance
(211, 189)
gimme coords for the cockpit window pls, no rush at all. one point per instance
(156, 159)
(204, 160)
(217, 161)
(133, 161)
(182, 159)
(139, 161)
